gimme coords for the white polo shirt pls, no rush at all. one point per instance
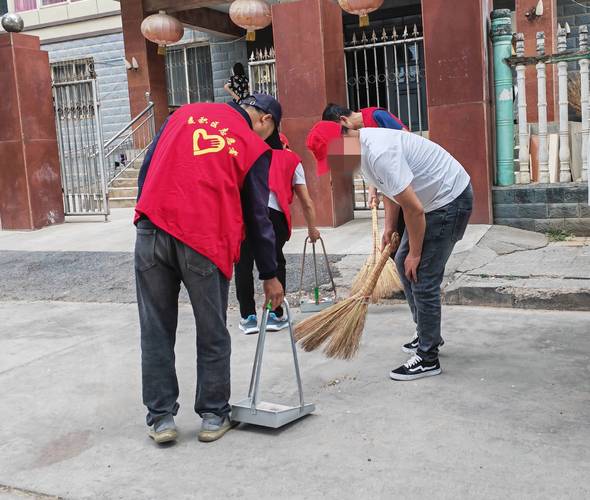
(392, 160)
(298, 178)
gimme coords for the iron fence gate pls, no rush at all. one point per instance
(79, 130)
(387, 71)
(262, 72)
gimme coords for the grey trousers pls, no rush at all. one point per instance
(444, 227)
(161, 264)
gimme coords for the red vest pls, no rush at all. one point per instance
(280, 179)
(192, 188)
(369, 121)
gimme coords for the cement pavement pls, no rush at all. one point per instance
(508, 418)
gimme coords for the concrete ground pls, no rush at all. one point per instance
(508, 418)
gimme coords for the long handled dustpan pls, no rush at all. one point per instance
(318, 304)
(253, 411)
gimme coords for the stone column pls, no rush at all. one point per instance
(151, 75)
(30, 180)
(309, 50)
(458, 87)
(547, 23)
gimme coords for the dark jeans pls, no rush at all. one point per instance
(244, 268)
(444, 227)
(161, 264)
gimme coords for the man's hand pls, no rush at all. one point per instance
(273, 292)
(411, 267)
(313, 234)
(386, 238)
(373, 197)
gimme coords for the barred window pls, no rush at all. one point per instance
(189, 75)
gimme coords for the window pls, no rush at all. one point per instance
(189, 75)
(24, 5)
(3, 7)
(73, 70)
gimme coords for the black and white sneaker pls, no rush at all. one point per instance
(412, 346)
(415, 368)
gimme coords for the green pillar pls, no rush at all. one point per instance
(502, 40)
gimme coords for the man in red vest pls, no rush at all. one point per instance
(285, 179)
(204, 182)
(367, 117)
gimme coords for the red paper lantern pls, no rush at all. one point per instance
(251, 15)
(361, 8)
(162, 29)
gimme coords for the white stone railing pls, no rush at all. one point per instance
(546, 156)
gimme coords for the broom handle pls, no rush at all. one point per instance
(375, 232)
(367, 290)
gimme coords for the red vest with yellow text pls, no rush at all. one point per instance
(280, 179)
(192, 188)
(369, 121)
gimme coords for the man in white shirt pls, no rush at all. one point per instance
(435, 193)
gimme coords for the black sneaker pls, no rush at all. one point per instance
(415, 368)
(412, 346)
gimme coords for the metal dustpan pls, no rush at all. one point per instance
(317, 304)
(253, 411)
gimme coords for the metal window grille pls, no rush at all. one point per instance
(262, 72)
(387, 70)
(189, 75)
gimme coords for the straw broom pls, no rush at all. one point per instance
(341, 325)
(389, 281)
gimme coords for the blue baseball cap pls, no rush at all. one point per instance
(267, 104)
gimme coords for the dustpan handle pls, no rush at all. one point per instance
(302, 269)
(257, 368)
(294, 349)
(328, 266)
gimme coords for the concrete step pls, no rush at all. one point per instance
(526, 293)
(124, 182)
(127, 202)
(123, 192)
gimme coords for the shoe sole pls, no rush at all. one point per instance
(409, 350)
(210, 436)
(249, 331)
(164, 436)
(276, 328)
(403, 378)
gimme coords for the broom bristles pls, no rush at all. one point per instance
(388, 283)
(343, 323)
(361, 277)
(345, 342)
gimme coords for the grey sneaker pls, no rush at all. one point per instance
(275, 324)
(412, 346)
(214, 427)
(249, 325)
(164, 430)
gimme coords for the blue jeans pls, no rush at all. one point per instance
(444, 227)
(161, 263)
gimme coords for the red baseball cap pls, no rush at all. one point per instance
(284, 139)
(318, 141)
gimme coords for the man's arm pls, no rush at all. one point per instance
(148, 159)
(385, 120)
(259, 229)
(308, 211)
(415, 224)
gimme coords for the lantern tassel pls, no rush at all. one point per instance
(250, 36)
(364, 20)
(161, 50)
